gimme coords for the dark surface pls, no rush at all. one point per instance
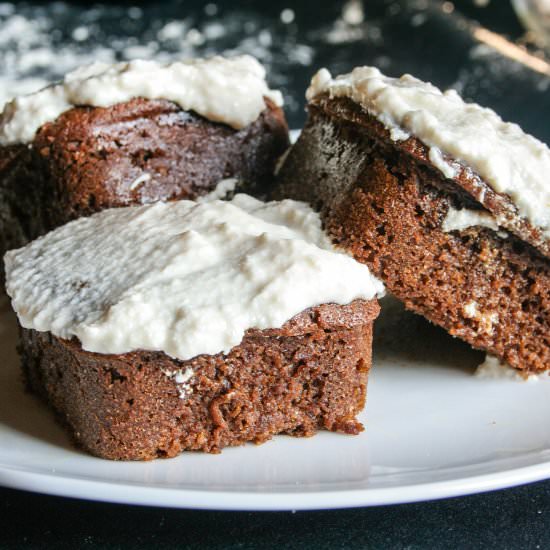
(512, 519)
(427, 38)
(441, 48)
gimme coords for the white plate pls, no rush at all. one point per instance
(433, 430)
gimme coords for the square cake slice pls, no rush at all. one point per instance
(445, 202)
(155, 329)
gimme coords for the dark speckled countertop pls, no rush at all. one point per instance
(512, 519)
(430, 39)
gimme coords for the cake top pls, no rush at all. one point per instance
(510, 161)
(182, 277)
(228, 90)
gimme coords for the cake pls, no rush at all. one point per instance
(447, 204)
(176, 326)
(133, 133)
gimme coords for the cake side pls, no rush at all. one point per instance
(92, 158)
(309, 375)
(143, 151)
(465, 142)
(462, 179)
(384, 202)
(22, 194)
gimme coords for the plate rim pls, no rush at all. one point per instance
(277, 501)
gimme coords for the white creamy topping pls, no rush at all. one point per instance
(470, 310)
(182, 277)
(493, 369)
(231, 91)
(181, 378)
(510, 161)
(457, 220)
(436, 158)
(486, 320)
(224, 190)
(144, 178)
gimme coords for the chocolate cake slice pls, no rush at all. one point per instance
(134, 133)
(443, 201)
(176, 326)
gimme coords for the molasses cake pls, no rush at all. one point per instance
(176, 326)
(133, 133)
(445, 202)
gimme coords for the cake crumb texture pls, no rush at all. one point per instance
(309, 375)
(141, 151)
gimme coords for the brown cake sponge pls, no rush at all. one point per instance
(308, 375)
(140, 151)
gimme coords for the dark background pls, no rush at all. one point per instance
(441, 49)
(512, 519)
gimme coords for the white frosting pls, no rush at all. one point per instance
(224, 190)
(181, 378)
(510, 161)
(470, 310)
(493, 369)
(486, 320)
(224, 90)
(140, 180)
(457, 220)
(436, 158)
(185, 278)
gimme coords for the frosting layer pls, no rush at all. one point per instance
(509, 160)
(228, 90)
(182, 277)
(457, 220)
